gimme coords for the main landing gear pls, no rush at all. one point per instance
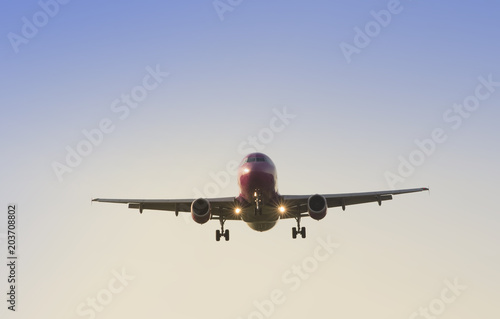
(298, 230)
(222, 233)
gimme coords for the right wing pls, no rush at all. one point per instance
(222, 206)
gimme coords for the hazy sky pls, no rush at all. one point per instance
(153, 99)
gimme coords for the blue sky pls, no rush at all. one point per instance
(204, 87)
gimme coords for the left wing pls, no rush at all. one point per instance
(297, 204)
(223, 206)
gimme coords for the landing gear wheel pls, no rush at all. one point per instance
(258, 211)
(298, 230)
(222, 233)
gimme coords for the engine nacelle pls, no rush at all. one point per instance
(200, 210)
(316, 206)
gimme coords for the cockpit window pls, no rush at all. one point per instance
(256, 159)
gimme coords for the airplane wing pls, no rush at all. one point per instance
(223, 206)
(297, 204)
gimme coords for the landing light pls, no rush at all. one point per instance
(237, 210)
(282, 209)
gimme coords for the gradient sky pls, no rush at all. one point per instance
(351, 124)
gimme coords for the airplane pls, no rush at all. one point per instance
(259, 203)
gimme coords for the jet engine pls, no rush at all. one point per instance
(200, 210)
(316, 206)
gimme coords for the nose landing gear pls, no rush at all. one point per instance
(258, 201)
